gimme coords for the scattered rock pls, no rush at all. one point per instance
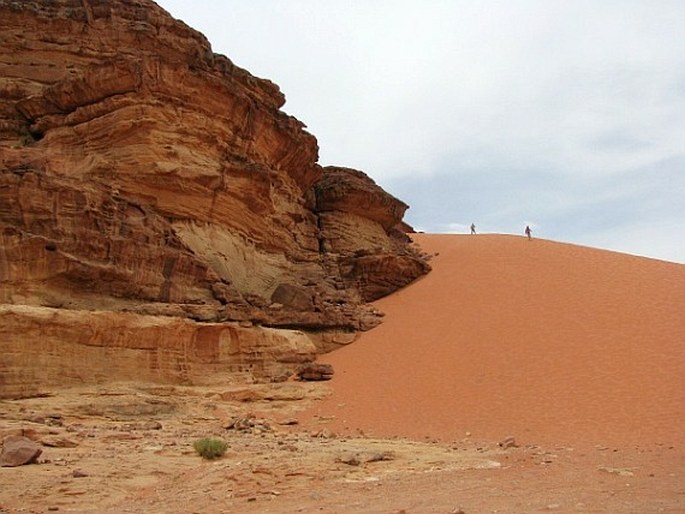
(141, 425)
(623, 472)
(59, 442)
(315, 372)
(324, 433)
(54, 420)
(351, 459)
(18, 450)
(121, 436)
(79, 473)
(356, 459)
(380, 456)
(508, 442)
(248, 423)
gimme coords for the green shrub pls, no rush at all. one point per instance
(210, 448)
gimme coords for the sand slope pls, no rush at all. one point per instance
(549, 342)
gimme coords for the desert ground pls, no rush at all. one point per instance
(518, 376)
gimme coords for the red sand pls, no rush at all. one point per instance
(548, 342)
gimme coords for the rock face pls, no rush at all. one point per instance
(146, 180)
(361, 225)
(43, 347)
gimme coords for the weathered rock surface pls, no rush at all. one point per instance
(362, 225)
(151, 190)
(18, 450)
(45, 347)
(315, 372)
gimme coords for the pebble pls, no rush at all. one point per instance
(508, 442)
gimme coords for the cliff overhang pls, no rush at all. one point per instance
(145, 179)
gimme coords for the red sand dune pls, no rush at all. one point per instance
(548, 342)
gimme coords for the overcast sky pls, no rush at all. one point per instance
(568, 115)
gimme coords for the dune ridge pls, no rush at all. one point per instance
(546, 341)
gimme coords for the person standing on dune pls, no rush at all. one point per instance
(528, 232)
(473, 229)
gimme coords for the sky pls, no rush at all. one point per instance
(565, 115)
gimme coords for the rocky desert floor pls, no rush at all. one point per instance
(128, 448)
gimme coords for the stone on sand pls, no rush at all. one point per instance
(18, 450)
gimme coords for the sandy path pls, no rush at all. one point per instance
(551, 343)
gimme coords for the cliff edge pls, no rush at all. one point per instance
(161, 217)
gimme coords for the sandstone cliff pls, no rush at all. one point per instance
(147, 181)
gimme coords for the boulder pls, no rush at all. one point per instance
(19, 450)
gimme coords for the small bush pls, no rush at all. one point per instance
(210, 448)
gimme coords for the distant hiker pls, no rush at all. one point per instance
(528, 232)
(473, 228)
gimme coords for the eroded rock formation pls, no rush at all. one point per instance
(361, 225)
(143, 176)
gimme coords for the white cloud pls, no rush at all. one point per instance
(647, 239)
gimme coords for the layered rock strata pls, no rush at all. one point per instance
(147, 181)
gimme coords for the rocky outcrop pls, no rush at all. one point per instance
(45, 348)
(362, 226)
(141, 173)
